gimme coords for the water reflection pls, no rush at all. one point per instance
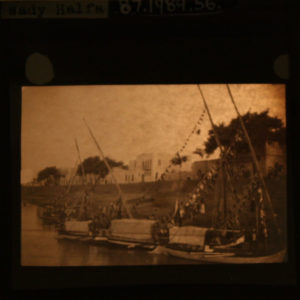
(41, 248)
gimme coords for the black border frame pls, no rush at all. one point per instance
(232, 51)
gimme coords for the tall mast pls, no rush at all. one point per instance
(84, 200)
(223, 153)
(80, 162)
(109, 168)
(68, 184)
(72, 177)
(252, 151)
(224, 192)
(211, 120)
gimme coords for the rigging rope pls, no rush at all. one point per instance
(195, 129)
(223, 157)
(253, 153)
(225, 154)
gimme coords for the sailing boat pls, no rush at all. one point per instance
(198, 243)
(128, 232)
(78, 227)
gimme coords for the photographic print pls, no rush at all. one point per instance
(117, 175)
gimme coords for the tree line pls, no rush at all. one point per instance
(91, 165)
(261, 127)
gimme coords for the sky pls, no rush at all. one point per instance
(128, 120)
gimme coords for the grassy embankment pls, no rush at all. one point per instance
(164, 197)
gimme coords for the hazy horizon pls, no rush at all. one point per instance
(128, 120)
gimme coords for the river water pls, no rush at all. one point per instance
(39, 247)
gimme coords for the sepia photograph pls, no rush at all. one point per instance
(115, 175)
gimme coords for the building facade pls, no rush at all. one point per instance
(271, 155)
(149, 167)
(146, 167)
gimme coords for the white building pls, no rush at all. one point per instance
(145, 168)
(150, 166)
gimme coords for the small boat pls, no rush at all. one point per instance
(126, 232)
(222, 258)
(194, 243)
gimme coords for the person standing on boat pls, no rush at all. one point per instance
(105, 221)
(177, 218)
(181, 214)
(84, 213)
(248, 219)
(92, 226)
(178, 215)
(263, 233)
(62, 216)
(246, 222)
(119, 208)
(187, 212)
(110, 211)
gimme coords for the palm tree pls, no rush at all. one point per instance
(178, 161)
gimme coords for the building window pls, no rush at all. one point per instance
(159, 162)
(148, 164)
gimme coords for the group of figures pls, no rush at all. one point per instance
(192, 211)
(100, 219)
(246, 213)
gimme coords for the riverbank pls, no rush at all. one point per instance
(159, 201)
(144, 199)
(40, 247)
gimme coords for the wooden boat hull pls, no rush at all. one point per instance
(102, 240)
(98, 240)
(131, 244)
(222, 258)
(69, 237)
